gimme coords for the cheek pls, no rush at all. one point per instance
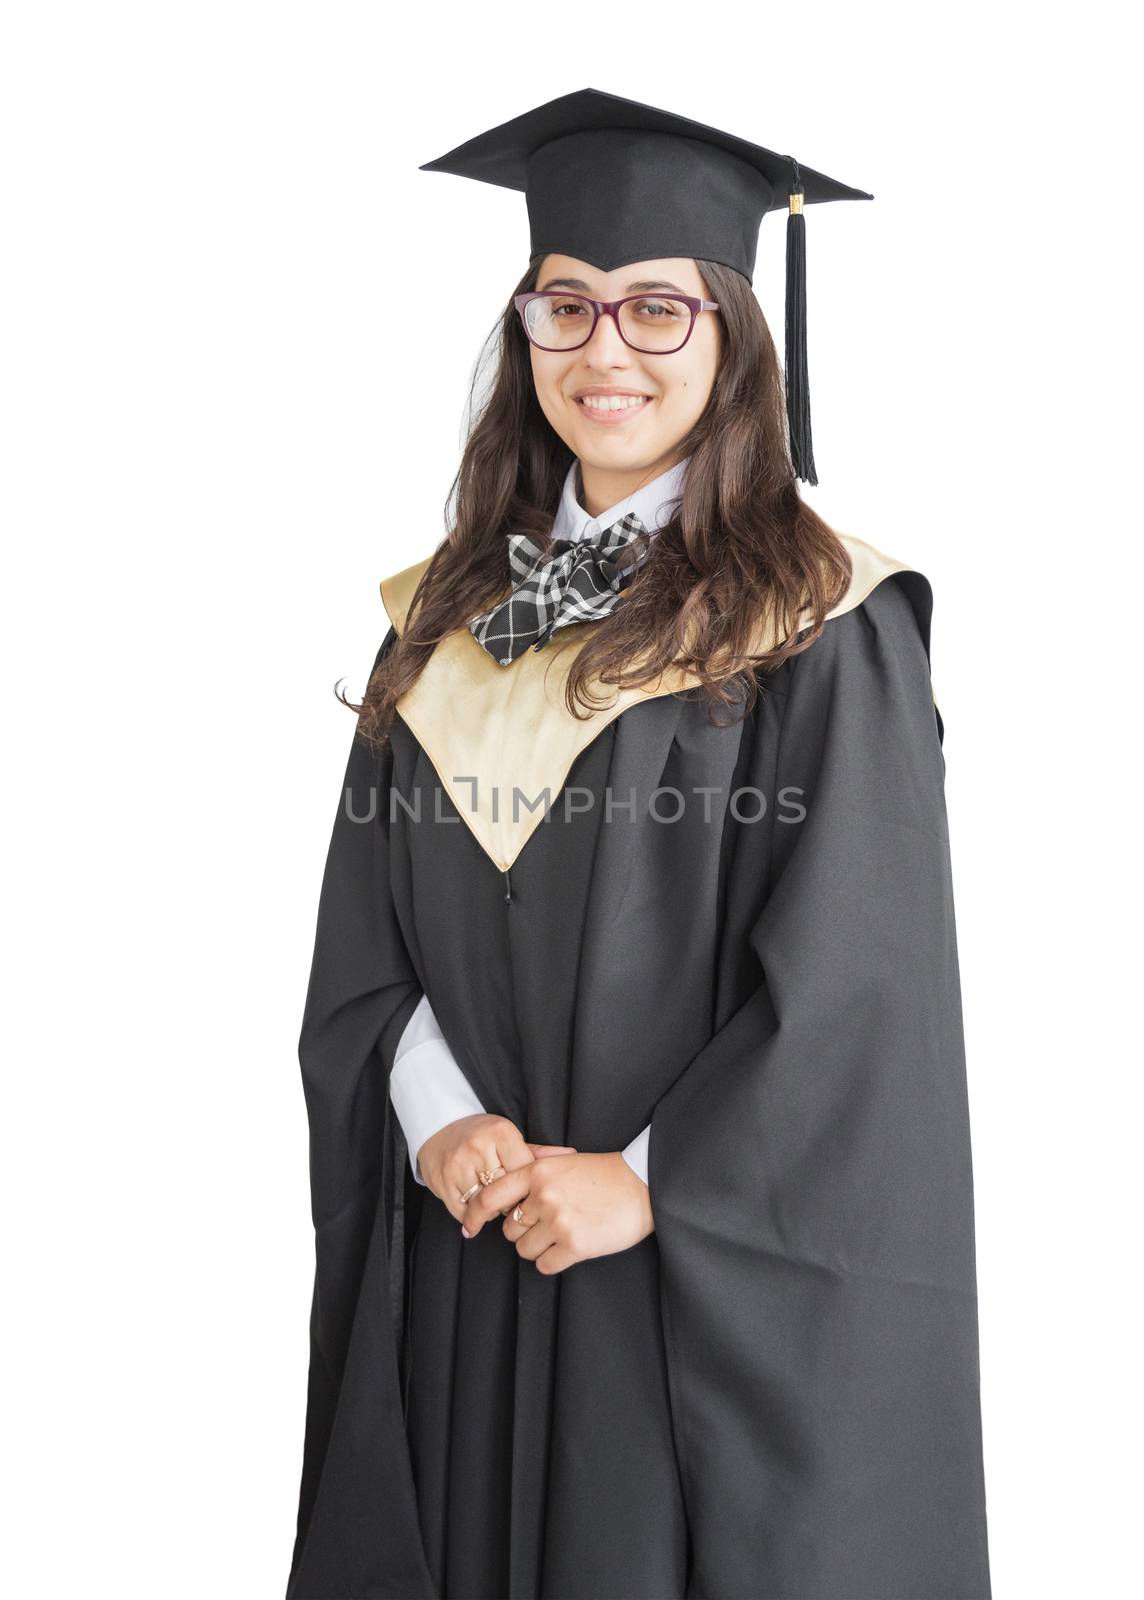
(701, 379)
(542, 383)
(548, 386)
(548, 383)
(689, 394)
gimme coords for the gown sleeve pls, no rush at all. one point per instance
(811, 1170)
(357, 1532)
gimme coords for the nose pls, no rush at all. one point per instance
(606, 344)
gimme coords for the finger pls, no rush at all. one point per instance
(539, 1151)
(536, 1240)
(514, 1230)
(465, 1174)
(512, 1151)
(508, 1152)
(557, 1258)
(493, 1198)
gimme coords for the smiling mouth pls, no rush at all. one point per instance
(609, 410)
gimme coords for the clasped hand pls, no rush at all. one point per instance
(576, 1204)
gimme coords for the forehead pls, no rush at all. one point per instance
(569, 272)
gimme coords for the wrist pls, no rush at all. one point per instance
(639, 1189)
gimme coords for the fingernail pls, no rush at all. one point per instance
(465, 1231)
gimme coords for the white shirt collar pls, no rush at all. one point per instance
(655, 503)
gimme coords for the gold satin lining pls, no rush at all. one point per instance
(501, 738)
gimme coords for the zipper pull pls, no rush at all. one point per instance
(507, 887)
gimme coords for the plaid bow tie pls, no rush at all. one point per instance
(576, 581)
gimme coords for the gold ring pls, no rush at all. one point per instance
(489, 1175)
(469, 1193)
(518, 1216)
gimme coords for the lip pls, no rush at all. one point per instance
(612, 419)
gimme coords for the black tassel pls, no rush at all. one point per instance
(797, 376)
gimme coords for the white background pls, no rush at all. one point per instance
(226, 416)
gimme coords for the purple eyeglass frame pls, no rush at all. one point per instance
(611, 308)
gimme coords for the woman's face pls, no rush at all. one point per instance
(674, 388)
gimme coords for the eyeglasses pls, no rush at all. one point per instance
(656, 324)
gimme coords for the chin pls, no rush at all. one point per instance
(632, 455)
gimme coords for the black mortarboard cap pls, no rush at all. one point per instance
(609, 180)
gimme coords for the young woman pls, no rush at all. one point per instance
(632, 1049)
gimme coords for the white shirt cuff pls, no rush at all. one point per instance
(427, 1087)
(635, 1154)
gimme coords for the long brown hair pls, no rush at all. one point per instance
(741, 549)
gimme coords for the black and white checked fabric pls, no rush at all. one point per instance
(576, 582)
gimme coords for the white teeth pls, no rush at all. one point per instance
(612, 402)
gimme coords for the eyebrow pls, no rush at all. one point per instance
(638, 287)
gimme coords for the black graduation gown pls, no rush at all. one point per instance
(775, 1396)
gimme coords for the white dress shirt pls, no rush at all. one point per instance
(427, 1087)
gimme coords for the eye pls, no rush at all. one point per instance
(658, 310)
(574, 307)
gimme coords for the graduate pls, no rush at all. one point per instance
(632, 1049)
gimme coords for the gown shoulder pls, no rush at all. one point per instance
(871, 568)
(398, 589)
